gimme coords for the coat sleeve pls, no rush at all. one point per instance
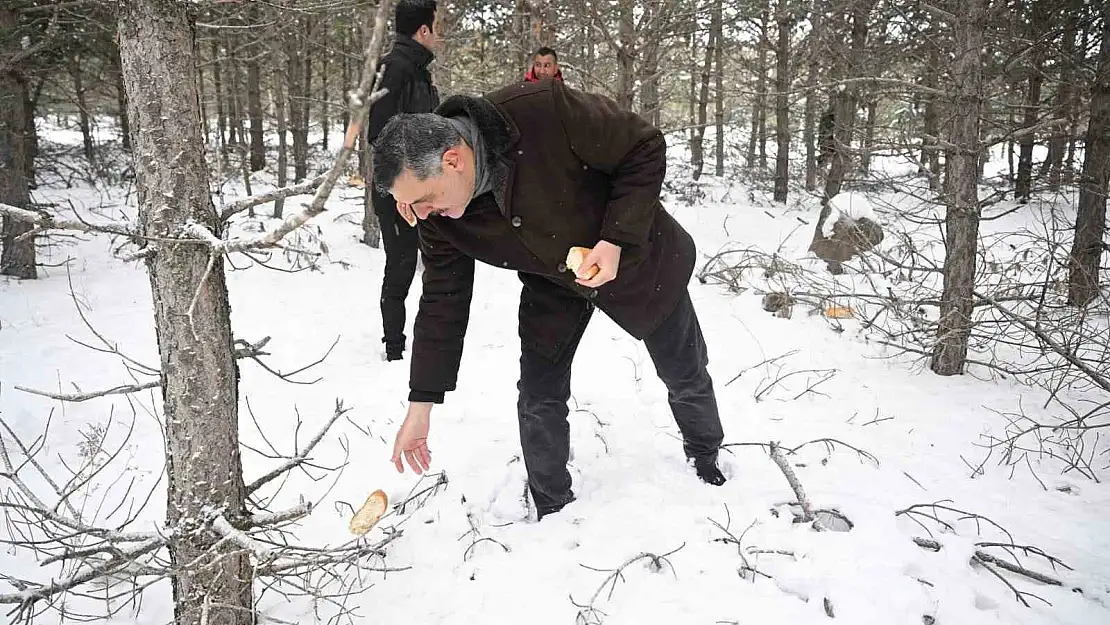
(442, 318)
(395, 80)
(623, 145)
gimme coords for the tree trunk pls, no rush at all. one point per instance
(82, 107)
(626, 66)
(719, 96)
(325, 123)
(930, 155)
(235, 91)
(650, 105)
(697, 144)
(121, 102)
(1038, 24)
(1057, 144)
(221, 116)
(371, 227)
(962, 194)
(1090, 223)
(758, 129)
(298, 126)
(868, 135)
(16, 258)
(782, 103)
(199, 374)
(30, 132)
(283, 146)
(254, 109)
(844, 103)
(692, 70)
(816, 40)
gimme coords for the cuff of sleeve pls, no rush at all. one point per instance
(426, 396)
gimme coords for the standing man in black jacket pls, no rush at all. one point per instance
(410, 90)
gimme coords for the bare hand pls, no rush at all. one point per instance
(412, 439)
(607, 257)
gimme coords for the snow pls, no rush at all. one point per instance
(852, 205)
(635, 494)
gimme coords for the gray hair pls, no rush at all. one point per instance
(414, 141)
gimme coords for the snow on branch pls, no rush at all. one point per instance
(277, 194)
(42, 222)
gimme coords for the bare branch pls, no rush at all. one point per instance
(300, 457)
(80, 397)
(47, 222)
(795, 483)
(279, 193)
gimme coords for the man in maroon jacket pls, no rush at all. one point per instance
(545, 64)
(514, 179)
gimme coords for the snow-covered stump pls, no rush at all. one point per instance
(850, 229)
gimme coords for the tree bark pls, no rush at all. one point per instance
(121, 101)
(816, 41)
(283, 146)
(82, 107)
(697, 143)
(962, 195)
(254, 110)
(719, 95)
(17, 258)
(1038, 24)
(199, 375)
(1090, 223)
(626, 60)
(1057, 143)
(930, 155)
(868, 135)
(782, 103)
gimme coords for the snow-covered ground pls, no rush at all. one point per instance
(635, 495)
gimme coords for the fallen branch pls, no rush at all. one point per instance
(588, 614)
(986, 560)
(1095, 376)
(795, 483)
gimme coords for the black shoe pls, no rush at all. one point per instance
(708, 472)
(542, 511)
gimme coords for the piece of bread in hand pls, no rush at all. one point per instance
(370, 513)
(576, 256)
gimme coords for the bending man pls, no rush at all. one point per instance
(515, 179)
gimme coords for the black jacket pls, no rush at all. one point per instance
(568, 168)
(410, 90)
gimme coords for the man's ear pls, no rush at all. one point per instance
(452, 159)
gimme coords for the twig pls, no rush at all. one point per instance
(588, 613)
(300, 457)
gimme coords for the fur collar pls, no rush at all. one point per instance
(500, 134)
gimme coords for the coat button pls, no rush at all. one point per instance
(516, 222)
(562, 267)
(593, 293)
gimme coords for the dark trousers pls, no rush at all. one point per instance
(401, 247)
(677, 348)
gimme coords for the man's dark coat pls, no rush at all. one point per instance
(569, 169)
